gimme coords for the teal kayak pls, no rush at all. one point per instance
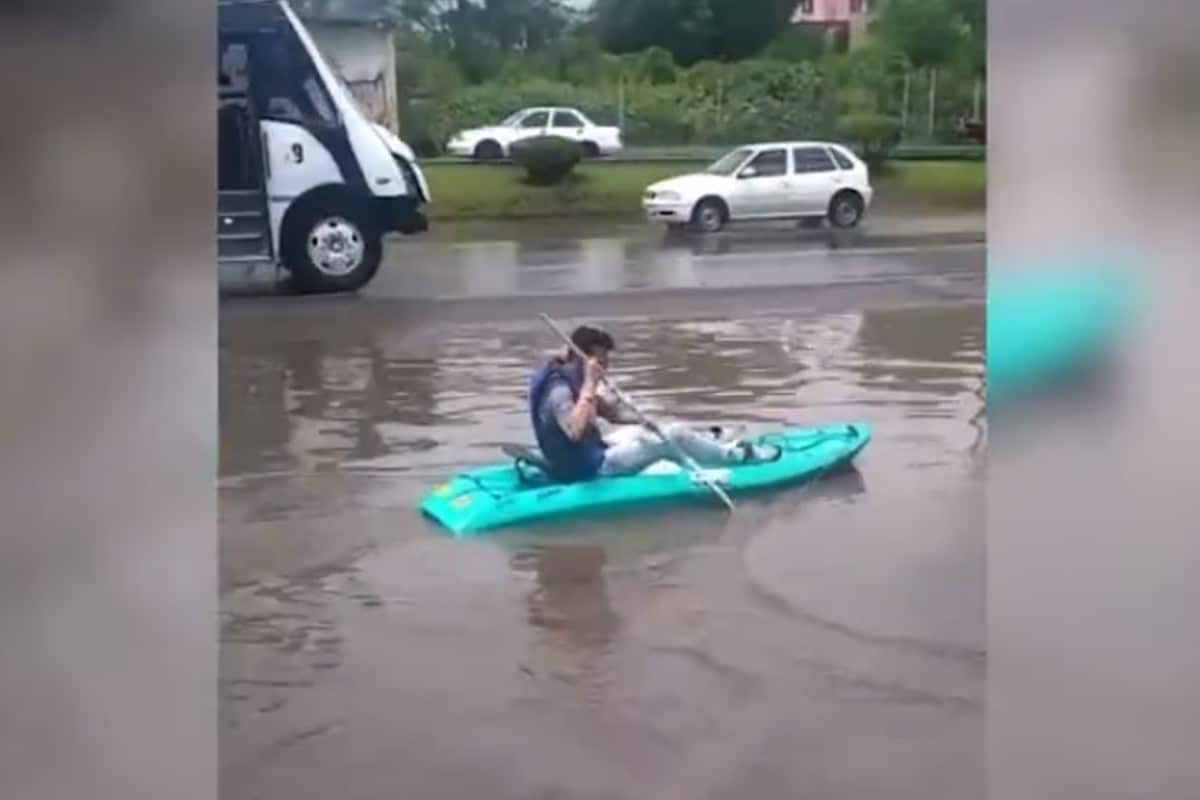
(517, 491)
(1045, 325)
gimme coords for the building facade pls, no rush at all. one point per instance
(357, 38)
(838, 19)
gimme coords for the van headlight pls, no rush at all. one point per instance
(665, 196)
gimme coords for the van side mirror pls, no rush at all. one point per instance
(748, 172)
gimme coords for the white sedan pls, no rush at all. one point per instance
(570, 123)
(778, 180)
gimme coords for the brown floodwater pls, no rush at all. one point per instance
(825, 641)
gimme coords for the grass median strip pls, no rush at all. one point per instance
(496, 191)
(953, 184)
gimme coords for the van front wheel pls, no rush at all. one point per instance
(332, 251)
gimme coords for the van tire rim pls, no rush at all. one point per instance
(709, 217)
(845, 211)
(336, 247)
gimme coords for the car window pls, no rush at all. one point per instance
(567, 119)
(726, 164)
(769, 163)
(840, 157)
(813, 159)
(535, 120)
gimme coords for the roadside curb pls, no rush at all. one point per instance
(867, 240)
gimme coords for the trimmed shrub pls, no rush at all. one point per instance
(547, 160)
(876, 135)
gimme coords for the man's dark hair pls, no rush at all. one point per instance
(589, 340)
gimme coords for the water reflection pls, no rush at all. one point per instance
(314, 405)
(569, 605)
(450, 397)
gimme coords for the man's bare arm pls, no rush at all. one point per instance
(615, 412)
(574, 417)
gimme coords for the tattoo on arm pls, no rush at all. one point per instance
(572, 417)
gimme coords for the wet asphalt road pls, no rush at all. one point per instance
(824, 642)
(484, 261)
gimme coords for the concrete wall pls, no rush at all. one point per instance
(365, 57)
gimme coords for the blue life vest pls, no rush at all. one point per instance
(570, 460)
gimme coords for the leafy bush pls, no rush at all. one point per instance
(875, 134)
(797, 44)
(655, 66)
(710, 103)
(547, 160)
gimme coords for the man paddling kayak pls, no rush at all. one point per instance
(565, 404)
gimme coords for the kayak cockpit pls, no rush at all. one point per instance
(531, 467)
(534, 470)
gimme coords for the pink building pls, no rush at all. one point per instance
(847, 18)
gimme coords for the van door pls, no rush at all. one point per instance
(243, 229)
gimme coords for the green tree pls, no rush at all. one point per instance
(655, 66)
(745, 27)
(692, 30)
(481, 34)
(973, 16)
(929, 32)
(797, 44)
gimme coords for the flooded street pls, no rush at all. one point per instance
(825, 641)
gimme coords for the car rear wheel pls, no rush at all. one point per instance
(845, 209)
(591, 150)
(488, 150)
(709, 215)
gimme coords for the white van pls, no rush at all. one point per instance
(305, 181)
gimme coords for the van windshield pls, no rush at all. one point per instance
(287, 85)
(726, 164)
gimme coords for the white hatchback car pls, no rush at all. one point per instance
(493, 141)
(777, 180)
